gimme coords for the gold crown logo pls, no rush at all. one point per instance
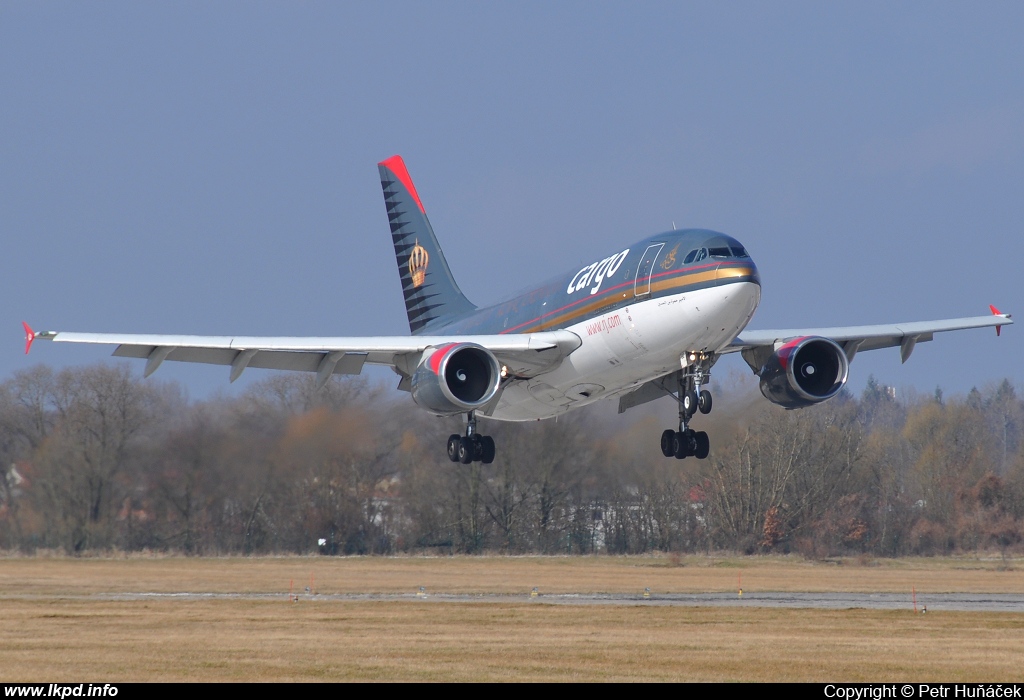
(670, 259)
(418, 259)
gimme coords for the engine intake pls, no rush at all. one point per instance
(456, 378)
(804, 372)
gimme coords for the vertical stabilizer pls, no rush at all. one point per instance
(430, 290)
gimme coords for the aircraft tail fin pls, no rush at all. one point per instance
(430, 290)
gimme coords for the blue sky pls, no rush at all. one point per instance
(210, 168)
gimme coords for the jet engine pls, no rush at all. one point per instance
(456, 378)
(804, 372)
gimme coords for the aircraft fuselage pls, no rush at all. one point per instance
(636, 311)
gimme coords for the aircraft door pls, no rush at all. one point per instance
(642, 286)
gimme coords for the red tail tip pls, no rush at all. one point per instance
(995, 311)
(397, 167)
(30, 335)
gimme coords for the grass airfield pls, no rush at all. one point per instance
(93, 619)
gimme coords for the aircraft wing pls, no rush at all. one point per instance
(525, 355)
(757, 346)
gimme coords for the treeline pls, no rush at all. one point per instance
(97, 459)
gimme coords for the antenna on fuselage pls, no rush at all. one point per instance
(673, 225)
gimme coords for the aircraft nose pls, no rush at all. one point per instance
(755, 276)
(745, 271)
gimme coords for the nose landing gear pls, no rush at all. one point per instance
(471, 447)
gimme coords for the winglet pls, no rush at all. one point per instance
(30, 335)
(997, 312)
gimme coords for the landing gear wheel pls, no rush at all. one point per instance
(704, 402)
(667, 443)
(681, 445)
(467, 450)
(453, 447)
(703, 445)
(486, 449)
(690, 402)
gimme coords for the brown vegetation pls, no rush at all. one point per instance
(61, 575)
(103, 461)
(274, 641)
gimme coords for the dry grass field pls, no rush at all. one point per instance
(60, 623)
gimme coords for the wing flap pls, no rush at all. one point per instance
(645, 393)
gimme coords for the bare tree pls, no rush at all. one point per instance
(337, 476)
(99, 412)
(950, 447)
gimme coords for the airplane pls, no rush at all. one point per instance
(646, 321)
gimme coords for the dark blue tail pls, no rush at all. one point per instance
(431, 293)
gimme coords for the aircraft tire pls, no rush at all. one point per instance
(668, 443)
(690, 403)
(487, 449)
(680, 445)
(704, 402)
(703, 448)
(453, 447)
(467, 450)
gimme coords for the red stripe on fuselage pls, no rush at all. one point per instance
(397, 166)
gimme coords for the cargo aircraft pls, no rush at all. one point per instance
(646, 321)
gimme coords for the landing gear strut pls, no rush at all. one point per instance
(687, 442)
(471, 447)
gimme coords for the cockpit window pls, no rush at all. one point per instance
(695, 256)
(722, 251)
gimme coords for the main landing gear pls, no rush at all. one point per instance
(687, 442)
(472, 447)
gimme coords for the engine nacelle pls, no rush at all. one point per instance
(456, 378)
(804, 372)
